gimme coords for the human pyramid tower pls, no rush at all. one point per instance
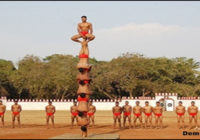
(83, 77)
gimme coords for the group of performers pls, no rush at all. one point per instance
(150, 112)
(126, 111)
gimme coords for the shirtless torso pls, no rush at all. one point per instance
(127, 109)
(117, 110)
(148, 115)
(16, 109)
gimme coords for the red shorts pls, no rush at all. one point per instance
(148, 114)
(193, 114)
(117, 114)
(90, 114)
(15, 113)
(82, 99)
(180, 114)
(86, 81)
(83, 33)
(158, 114)
(127, 113)
(74, 113)
(137, 114)
(1, 113)
(49, 114)
(83, 56)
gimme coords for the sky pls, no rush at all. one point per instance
(152, 28)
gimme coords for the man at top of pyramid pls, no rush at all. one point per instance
(85, 31)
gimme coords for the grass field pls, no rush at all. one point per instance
(33, 126)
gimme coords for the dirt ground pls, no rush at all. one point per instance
(33, 127)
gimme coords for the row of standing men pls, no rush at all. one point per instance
(126, 110)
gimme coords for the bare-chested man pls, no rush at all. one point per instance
(85, 31)
(83, 122)
(74, 113)
(16, 109)
(193, 111)
(117, 110)
(147, 109)
(127, 109)
(137, 111)
(158, 110)
(180, 111)
(91, 111)
(50, 111)
(2, 111)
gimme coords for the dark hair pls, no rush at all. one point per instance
(117, 102)
(82, 82)
(82, 95)
(157, 102)
(84, 128)
(49, 101)
(137, 101)
(0, 100)
(146, 102)
(83, 17)
(180, 102)
(75, 102)
(192, 102)
(80, 114)
(81, 70)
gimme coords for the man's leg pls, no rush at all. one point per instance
(52, 120)
(76, 38)
(178, 121)
(183, 123)
(190, 122)
(13, 121)
(134, 121)
(124, 121)
(129, 120)
(140, 118)
(47, 120)
(156, 121)
(161, 122)
(18, 119)
(92, 120)
(119, 121)
(72, 121)
(90, 37)
(195, 120)
(150, 121)
(146, 122)
(114, 118)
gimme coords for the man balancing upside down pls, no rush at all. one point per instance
(137, 111)
(127, 109)
(50, 111)
(193, 111)
(158, 110)
(2, 112)
(117, 110)
(147, 109)
(16, 109)
(74, 113)
(91, 111)
(85, 31)
(180, 111)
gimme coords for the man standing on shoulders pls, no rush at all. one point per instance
(193, 111)
(16, 109)
(2, 112)
(91, 111)
(137, 111)
(158, 110)
(147, 109)
(180, 111)
(117, 110)
(127, 109)
(50, 111)
(74, 113)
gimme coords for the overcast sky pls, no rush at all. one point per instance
(155, 28)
